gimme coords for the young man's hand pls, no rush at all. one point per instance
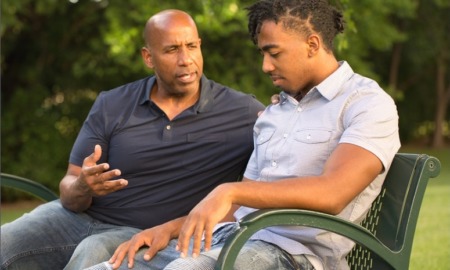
(203, 218)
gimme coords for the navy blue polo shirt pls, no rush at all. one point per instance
(170, 165)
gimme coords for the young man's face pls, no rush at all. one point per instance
(285, 58)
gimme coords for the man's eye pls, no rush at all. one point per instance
(274, 55)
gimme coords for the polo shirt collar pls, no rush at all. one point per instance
(206, 100)
(204, 103)
(148, 84)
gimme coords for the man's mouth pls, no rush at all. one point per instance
(187, 77)
(275, 78)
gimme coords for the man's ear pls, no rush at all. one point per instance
(314, 44)
(147, 57)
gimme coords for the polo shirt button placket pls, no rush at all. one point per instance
(167, 132)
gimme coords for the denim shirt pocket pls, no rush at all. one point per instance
(264, 136)
(310, 151)
(312, 136)
(261, 145)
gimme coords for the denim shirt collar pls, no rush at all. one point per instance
(331, 86)
(328, 88)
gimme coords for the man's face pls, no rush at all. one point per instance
(285, 58)
(175, 56)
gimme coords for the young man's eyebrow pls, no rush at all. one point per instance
(268, 47)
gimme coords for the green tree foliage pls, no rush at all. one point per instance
(41, 105)
(370, 30)
(57, 55)
(424, 77)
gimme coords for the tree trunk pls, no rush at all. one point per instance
(443, 98)
(395, 64)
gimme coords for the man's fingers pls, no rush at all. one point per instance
(94, 157)
(118, 256)
(97, 170)
(197, 238)
(184, 238)
(194, 230)
(97, 152)
(114, 185)
(99, 176)
(208, 237)
(131, 254)
(275, 99)
(136, 243)
(150, 253)
(104, 176)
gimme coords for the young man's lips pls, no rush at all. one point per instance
(275, 78)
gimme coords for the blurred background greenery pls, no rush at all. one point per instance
(57, 55)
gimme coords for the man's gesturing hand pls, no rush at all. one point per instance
(96, 179)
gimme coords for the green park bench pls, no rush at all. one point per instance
(384, 239)
(29, 186)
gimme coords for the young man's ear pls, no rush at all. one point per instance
(314, 44)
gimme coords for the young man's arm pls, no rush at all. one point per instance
(348, 171)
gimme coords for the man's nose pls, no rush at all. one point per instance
(267, 65)
(184, 57)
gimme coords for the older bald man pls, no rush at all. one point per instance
(147, 153)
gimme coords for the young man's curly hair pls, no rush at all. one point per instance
(303, 16)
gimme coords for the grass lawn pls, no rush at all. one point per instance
(11, 211)
(431, 248)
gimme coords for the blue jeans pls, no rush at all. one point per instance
(161, 259)
(51, 237)
(255, 254)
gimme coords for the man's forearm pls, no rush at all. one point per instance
(74, 196)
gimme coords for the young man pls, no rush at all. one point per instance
(160, 144)
(326, 147)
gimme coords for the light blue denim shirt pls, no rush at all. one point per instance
(295, 139)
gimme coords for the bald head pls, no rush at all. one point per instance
(172, 51)
(164, 21)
